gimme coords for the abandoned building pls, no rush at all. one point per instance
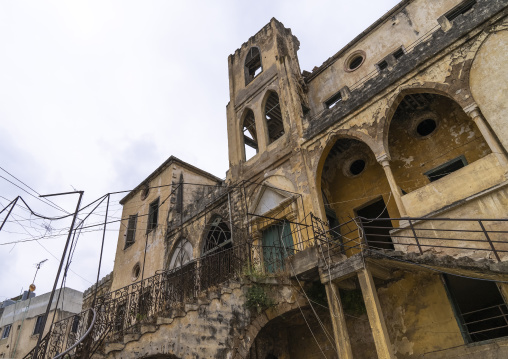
(364, 213)
(21, 319)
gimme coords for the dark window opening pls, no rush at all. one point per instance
(332, 101)
(153, 214)
(144, 192)
(273, 116)
(252, 65)
(357, 167)
(356, 62)
(250, 135)
(75, 323)
(120, 316)
(136, 271)
(426, 127)
(446, 169)
(7, 330)
(144, 302)
(376, 225)
(131, 230)
(38, 325)
(399, 53)
(382, 65)
(460, 9)
(482, 312)
(218, 236)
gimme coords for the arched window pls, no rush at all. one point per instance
(250, 139)
(182, 254)
(252, 65)
(218, 236)
(273, 117)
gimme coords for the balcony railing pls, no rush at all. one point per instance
(458, 237)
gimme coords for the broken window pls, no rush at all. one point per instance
(218, 236)
(445, 169)
(482, 312)
(38, 329)
(273, 116)
(153, 214)
(131, 231)
(249, 135)
(332, 101)
(7, 330)
(252, 65)
(460, 9)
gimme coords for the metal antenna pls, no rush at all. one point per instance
(38, 265)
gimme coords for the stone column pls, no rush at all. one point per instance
(340, 333)
(375, 314)
(474, 112)
(396, 192)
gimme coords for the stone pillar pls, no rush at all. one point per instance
(338, 322)
(375, 314)
(474, 112)
(396, 192)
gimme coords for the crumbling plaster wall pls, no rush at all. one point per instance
(401, 29)
(447, 74)
(489, 80)
(165, 187)
(217, 325)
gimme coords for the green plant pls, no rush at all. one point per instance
(140, 317)
(258, 299)
(352, 302)
(253, 271)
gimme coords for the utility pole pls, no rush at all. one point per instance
(31, 288)
(59, 267)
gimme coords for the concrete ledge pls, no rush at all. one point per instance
(342, 270)
(304, 264)
(111, 347)
(148, 328)
(130, 337)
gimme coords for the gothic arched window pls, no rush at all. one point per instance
(182, 254)
(218, 236)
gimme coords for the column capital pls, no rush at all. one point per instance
(472, 110)
(383, 159)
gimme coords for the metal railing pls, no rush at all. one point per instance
(486, 323)
(476, 238)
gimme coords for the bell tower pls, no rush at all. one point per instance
(267, 100)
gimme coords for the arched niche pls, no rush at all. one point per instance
(353, 184)
(429, 137)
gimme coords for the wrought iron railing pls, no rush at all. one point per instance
(476, 238)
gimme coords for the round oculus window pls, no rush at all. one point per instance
(136, 271)
(357, 167)
(355, 62)
(426, 127)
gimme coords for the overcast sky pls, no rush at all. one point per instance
(94, 95)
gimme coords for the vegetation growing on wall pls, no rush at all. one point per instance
(258, 299)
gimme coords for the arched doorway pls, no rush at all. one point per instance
(355, 190)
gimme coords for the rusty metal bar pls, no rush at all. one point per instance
(490, 242)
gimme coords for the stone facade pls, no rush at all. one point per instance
(363, 214)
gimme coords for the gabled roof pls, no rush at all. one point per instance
(162, 167)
